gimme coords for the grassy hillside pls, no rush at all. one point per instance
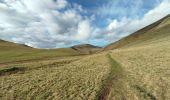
(145, 59)
(11, 52)
(156, 30)
(86, 48)
(146, 67)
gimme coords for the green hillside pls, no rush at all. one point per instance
(10, 52)
(86, 48)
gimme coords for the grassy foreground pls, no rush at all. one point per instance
(147, 69)
(66, 79)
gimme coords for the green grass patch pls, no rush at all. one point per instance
(10, 70)
(147, 95)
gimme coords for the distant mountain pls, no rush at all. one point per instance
(156, 30)
(86, 48)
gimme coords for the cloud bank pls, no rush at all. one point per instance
(61, 23)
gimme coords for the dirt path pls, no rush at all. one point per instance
(112, 81)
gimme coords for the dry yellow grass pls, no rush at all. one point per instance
(77, 80)
(147, 69)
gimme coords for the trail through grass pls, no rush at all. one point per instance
(147, 69)
(112, 82)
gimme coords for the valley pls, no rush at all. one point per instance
(136, 67)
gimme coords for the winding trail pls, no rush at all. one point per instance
(112, 81)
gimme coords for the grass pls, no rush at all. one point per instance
(147, 69)
(116, 74)
(26, 55)
(8, 71)
(11, 52)
(56, 79)
(145, 93)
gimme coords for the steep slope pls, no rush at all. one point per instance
(86, 48)
(156, 30)
(145, 58)
(147, 67)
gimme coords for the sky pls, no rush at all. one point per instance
(64, 23)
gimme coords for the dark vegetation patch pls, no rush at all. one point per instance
(145, 93)
(26, 61)
(14, 70)
(11, 70)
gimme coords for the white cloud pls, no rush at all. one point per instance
(115, 24)
(120, 8)
(84, 30)
(42, 23)
(118, 29)
(57, 23)
(160, 11)
(61, 4)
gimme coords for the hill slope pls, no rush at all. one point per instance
(10, 52)
(156, 30)
(86, 48)
(145, 59)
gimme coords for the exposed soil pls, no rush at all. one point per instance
(106, 89)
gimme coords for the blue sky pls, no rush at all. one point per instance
(63, 23)
(115, 9)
